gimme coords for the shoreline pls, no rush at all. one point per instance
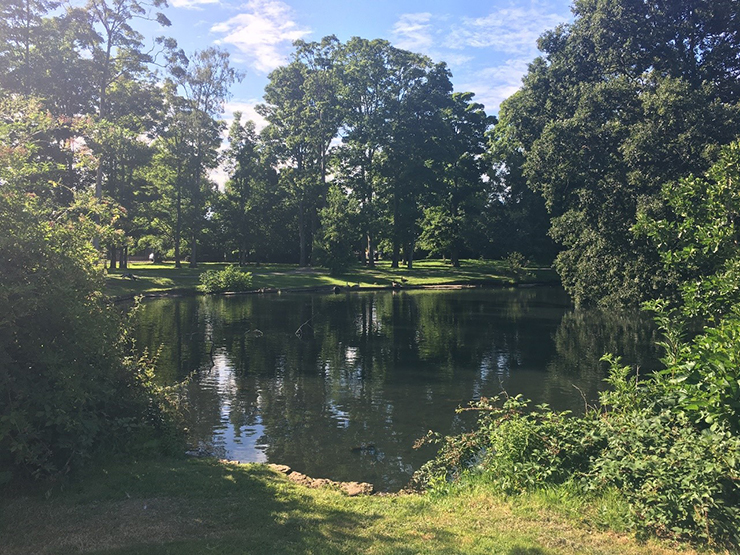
(337, 289)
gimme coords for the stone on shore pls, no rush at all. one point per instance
(352, 489)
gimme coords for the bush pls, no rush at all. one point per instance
(679, 481)
(67, 383)
(230, 278)
(517, 447)
(516, 264)
(667, 443)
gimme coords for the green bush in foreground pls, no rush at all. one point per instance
(230, 278)
(68, 384)
(650, 440)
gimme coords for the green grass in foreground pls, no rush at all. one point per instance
(204, 506)
(153, 278)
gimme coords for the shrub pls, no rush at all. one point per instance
(230, 278)
(517, 446)
(67, 383)
(516, 263)
(679, 481)
(668, 443)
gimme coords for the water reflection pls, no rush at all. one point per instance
(341, 386)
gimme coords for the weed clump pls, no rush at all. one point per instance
(230, 279)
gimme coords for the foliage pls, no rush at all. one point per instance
(230, 278)
(517, 263)
(681, 480)
(68, 386)
(335, 246)
(696, 234)
(681, 477)
(458, 190)
(614, 109)
(517, 446)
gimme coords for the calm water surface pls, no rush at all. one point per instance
(305, 380)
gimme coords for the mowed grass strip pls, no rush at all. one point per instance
(205, 506)
(158, 278)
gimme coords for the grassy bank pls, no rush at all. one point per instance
(157, 278)
(205, 506)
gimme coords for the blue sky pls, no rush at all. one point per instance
(486, 44)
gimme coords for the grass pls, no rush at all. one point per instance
(157, 278)
(197, 506)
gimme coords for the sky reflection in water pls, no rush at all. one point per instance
(372, 372)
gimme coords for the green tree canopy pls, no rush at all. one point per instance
(628, 97)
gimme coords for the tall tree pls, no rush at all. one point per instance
(245, 204)
(461, 168)
(116, 50)
(303, 114)
(205, 80)
(391, 98)
(417, 136)
(628, 97)
(515, 218)
(21, 23)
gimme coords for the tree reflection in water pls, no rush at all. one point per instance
(371, 372)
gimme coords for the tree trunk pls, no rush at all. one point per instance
(303, 258)
(178, 218)
(455, 257)
(113, 263)
(370, 251)
(410, 255)
(396, 254)
(194, 250)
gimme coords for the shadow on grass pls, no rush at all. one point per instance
(526, 551)
(193, 506)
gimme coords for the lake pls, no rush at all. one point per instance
(340, 386)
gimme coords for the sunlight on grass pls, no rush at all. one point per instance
(202, 506)
(157, 278)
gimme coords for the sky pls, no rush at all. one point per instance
(486, 44)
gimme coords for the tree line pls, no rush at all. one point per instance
(367, 149)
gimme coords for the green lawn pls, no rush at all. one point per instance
(155, 278)
(200, 506)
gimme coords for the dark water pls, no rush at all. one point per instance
(305, 380)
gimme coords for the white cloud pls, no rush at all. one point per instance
(248, 110)
(452, 59)
(512, 30)
(263, 33)
(191, 4)
(413, 31)
(495, 84)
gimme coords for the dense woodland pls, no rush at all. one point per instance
(618, 158)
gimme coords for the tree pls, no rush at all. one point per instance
(336, 241)
(417, 133)
(696, 233)
(20, 32)
(116, 50)
(205, 80)
(461, 167)
(68, 384)
(630, 96)
(392, 101)
(245, 211)
(303, 114)
(515, 218)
